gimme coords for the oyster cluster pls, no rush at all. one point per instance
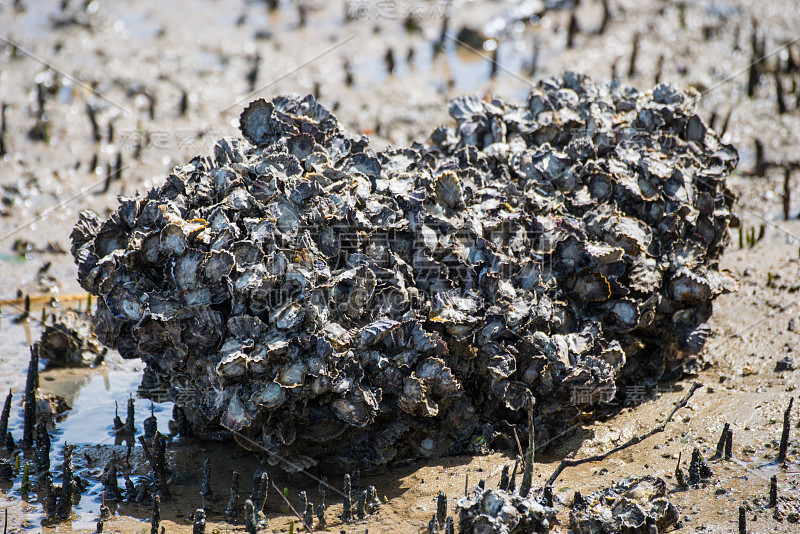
(334, 304)
(68, 341)
(499, 512)
(630, 506)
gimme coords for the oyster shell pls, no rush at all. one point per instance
(68, 341)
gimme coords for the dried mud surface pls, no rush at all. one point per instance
(207, 48)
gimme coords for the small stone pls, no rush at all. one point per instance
(785, 364)
(749, 370)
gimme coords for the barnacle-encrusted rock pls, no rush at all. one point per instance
(334, 304)
(630, 506)
(497, 511)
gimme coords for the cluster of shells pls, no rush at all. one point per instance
(67, 341)
(327, 303)
(501, 512)
(634, 505)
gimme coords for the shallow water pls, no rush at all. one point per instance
(92, 395)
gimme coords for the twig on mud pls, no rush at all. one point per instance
(44, 299)
(291, 507)
(147, 452)
(570, 462)
(242, 438)
(519, 445)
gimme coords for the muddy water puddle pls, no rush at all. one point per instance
(92, 396)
